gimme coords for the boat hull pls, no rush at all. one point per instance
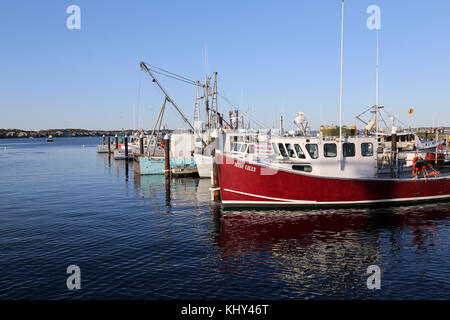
(252, 184)
(152, 165)
(156, 165)
(204, 165)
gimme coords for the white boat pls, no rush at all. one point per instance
(204, 165)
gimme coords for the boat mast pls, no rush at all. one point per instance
(214, 106)
(377, 91)
(341, 80)
(197, 108)
(206, 96)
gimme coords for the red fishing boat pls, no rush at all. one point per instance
(308, 171)
(324, 171)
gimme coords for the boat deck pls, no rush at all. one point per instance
(406, 173)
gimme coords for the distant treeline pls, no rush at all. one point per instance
(18, 133)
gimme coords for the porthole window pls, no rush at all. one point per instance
(282, 150)
(330, 150)
(299, 150)
(367, 149)
(313, 150)
(348, 149)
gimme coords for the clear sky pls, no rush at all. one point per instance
(272, 57)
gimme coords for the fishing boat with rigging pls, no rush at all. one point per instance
(324, 171)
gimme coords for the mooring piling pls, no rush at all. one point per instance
(141, 144)
(126, 147)
(166, 144)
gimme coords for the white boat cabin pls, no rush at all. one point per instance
(317, 156)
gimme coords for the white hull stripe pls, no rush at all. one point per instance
(290, 201)
(264, 197)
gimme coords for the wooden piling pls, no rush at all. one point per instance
(126, 148)
(141, 144)
(166, 143)
(394, 165)
(103, 140)
(215, 178)
(109, 144)
(116, 142)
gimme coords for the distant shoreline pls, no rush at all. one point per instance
(18, 133)
(55, 133)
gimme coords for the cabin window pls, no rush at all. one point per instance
(330, 150)
(366, 149)
(282, 150)
(290, 150)
(251, 148)
(313, 150)
(349, 149)
(299, 150)
(275, 149)
(243, 147)
(236, 147)
(304, 168)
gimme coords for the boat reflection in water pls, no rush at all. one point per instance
(278, 254)
(326, 253)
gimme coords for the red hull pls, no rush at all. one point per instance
(242, 184)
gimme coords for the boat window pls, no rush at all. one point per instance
(236, 147)
(367, 149)
(290, 150)
(313, 150)
(251, 148)
(299, 150)
(282, 150)
(243, 147)
(330, 150)
(304, 168)
(349, 149)
(275, 149)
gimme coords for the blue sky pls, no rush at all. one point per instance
(272, 57)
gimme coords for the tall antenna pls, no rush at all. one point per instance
(377, 90)
(341, 92)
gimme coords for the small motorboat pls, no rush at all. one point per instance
(49, 138)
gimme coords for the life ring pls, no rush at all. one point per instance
(440, 147)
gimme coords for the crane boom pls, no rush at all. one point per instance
(169, 99)
(146, 69)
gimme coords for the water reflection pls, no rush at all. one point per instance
(288, 253)
(326, 251)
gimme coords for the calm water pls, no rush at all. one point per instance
(136, 238)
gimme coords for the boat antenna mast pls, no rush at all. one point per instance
(341, 91)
